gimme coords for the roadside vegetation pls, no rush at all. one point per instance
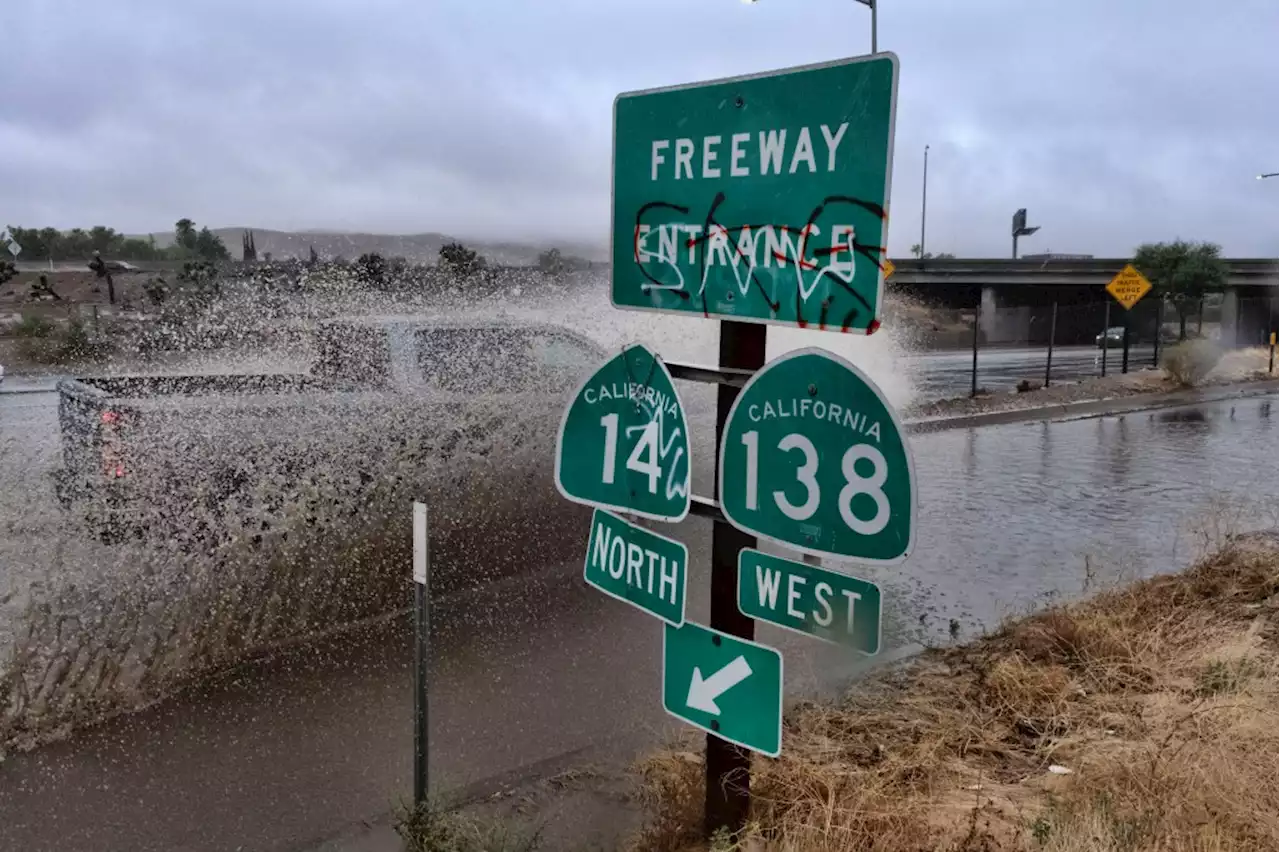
(1182, 273)
(434, 826)
(79, 243)
(209, 303)
(1142, 719)
(44, 341)
(1190, 362)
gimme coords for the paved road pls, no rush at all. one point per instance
(941, 375)
(544, 672)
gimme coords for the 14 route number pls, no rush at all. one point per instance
(644, 455)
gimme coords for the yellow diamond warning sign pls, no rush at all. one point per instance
(888, 267)
(1129, 286)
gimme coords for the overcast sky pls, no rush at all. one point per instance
(1112, 121)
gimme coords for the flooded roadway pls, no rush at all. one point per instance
(543, 672)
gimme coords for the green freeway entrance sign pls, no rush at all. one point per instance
(637, 566)
(814, 458)
(810, 600)
(728, 686)
(624, 442)
(761, 198)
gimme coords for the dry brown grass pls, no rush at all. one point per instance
(1161, 698)
(1188, 363)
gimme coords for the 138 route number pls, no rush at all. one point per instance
(807, 475)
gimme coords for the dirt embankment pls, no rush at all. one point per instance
(1142, 719)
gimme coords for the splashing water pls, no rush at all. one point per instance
(313, 532)
(695, 340)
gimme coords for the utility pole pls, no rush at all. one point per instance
(924, 199)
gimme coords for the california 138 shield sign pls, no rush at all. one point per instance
(813, 457)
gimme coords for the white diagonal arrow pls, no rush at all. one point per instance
(703, 693)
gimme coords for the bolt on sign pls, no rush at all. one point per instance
(724, 685)
(1129, 286)
(624, 440)
(637, 566)
(809, 600)
(761, 198)
(814, 458)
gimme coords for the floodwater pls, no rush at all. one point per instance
(538, 672)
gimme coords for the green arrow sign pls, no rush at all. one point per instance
(624, 442)
(728, 686)
(809, 600)
(637, 566)
(761, 198)
(814, 458)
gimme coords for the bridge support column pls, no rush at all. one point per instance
(1255, 317)
(1230, 320)
(989, 318)
(999, 323)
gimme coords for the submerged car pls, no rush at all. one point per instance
(462, 414)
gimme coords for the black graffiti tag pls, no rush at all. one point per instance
(802, 260)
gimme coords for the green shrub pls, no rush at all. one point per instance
(33, 325)
(42, 342)
(1226, 676)
(75, 344)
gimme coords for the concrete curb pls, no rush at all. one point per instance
(1095, 407)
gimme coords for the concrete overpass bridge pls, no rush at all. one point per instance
(1016, 296)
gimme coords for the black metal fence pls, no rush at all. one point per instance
(1034, 346)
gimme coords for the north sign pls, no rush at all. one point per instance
(813, 457)
(724, 685)
(761, 198)
(624, 441)
(810, 600)
(637, 566)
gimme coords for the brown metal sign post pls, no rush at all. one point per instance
(728, 766)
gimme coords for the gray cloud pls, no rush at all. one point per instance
(1112, 122)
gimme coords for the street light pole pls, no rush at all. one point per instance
(873, 26)
(871, 4)
(924, 199)
(1259, 177)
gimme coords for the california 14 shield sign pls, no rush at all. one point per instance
(624, 441)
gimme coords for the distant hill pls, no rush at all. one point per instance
(419, 248)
